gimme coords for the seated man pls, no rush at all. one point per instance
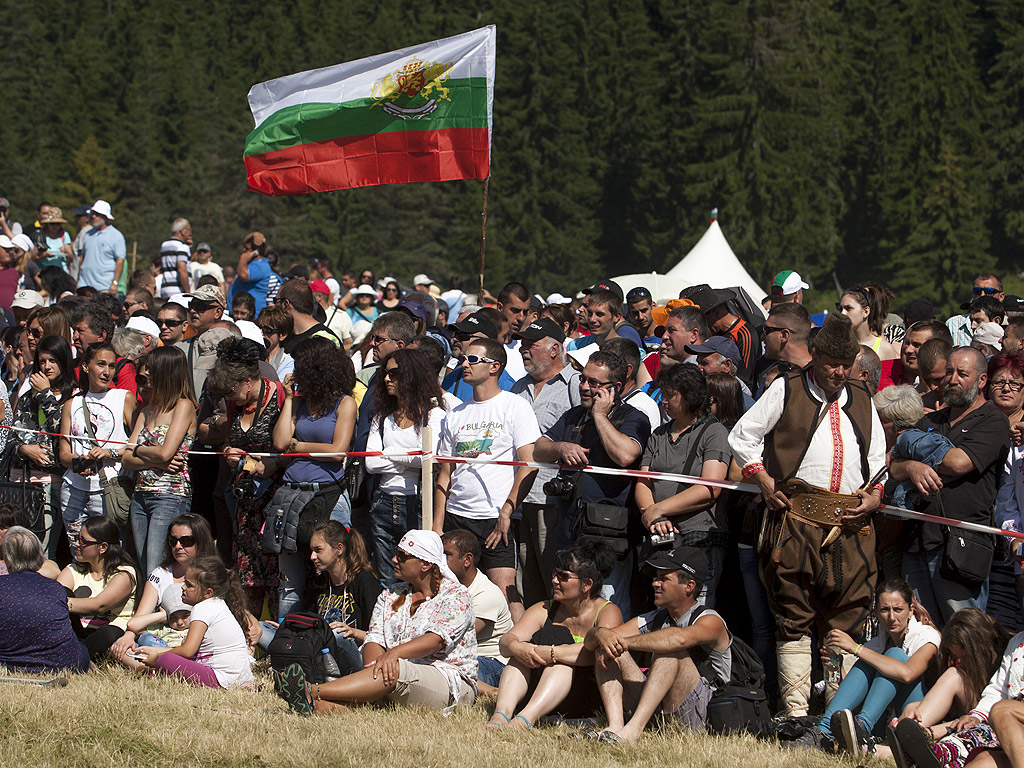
(493, 619)
(690, 645)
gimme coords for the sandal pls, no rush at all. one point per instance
(493, 724)
(916, 742)
(292, 687)
(896, 748)
(528, 723)
(608, 737)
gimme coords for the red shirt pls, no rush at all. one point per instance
(893, 373)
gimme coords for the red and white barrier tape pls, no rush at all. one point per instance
(895, 512)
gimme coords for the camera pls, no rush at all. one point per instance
(244, 484)
(80, 465)
(560, 485)
(663, 539)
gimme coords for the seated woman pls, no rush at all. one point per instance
(344, 593)
(188, 539)
(549, 637)
(971, 649)
(12, 514)
(975, 739)
(889, 668)
(35, 627)
(102, 584)
(421, 645)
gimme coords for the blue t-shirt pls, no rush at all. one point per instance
(101, 248)
(257, 284)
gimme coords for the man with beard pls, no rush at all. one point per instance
(962, 487)
(817, 426)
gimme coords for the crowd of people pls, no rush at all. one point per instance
(202, 450)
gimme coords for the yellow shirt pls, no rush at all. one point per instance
(119, 614)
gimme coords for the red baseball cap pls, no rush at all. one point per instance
(319, 286)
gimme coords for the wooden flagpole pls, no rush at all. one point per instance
(483, 239)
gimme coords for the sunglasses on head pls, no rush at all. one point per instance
(185, 541)
(638, 294)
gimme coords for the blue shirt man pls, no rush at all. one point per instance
(103, 251)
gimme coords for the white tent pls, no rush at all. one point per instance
(662, 287)
(712, 261)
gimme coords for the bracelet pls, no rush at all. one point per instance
(856, 651)
(552, 654)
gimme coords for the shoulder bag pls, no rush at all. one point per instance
(116, 492)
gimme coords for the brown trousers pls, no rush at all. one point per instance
(811, 589)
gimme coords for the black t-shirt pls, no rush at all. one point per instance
(627, 420)
(984, 435)
(292, 342)
(352, 604)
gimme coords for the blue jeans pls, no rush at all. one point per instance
(349, 657)
(77, 505)
(151, 640)
(864, 686)
(390, 517)
(151, 514)
(489, 670)
(342, 511)
(616, 585)
(940, 596)
(762, 622)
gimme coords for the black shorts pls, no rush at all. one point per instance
(502, 556)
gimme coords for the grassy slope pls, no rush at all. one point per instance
(115, 719)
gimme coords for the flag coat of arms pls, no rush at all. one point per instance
(419, 114)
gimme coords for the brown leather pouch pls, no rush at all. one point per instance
(820, 507)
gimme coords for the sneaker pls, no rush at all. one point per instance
(812, 738)
(916, 742)
(291, 686)
(850, 734)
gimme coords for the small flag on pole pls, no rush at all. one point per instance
(419, 114)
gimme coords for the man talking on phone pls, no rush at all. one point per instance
(602, 432)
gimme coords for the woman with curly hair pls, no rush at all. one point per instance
(254, 405)
(410, 399)
(317, 418)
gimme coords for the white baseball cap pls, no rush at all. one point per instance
(251, 331)
(102, 207)
(144, 325)
(422, 279)
(6, 242)
(27, 300)
(23, 241)
(557, 298)
(788, 282)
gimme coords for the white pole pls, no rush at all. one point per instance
(427, 477)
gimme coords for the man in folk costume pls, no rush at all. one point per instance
(813, 444)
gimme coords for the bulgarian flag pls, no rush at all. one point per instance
(419, 114)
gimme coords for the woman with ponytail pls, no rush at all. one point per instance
(214, 653)
(421, 645)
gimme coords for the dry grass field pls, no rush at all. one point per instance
(113, 718)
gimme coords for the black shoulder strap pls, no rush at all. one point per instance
(688, 466)
(695, 615)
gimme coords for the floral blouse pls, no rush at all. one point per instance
(42, 411)
(448, 614)
(160, 480)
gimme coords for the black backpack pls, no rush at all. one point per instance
(305, 639)
(741, 704)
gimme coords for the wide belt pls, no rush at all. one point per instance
(823, 509)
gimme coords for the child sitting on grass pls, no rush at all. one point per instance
(165, 627)
(214, 652)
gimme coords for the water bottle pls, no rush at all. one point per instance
(331, 668)
(834, 668)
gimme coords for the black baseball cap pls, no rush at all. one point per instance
(475, 323)
(1013, 303)
(919, 309)
(690, 560)
(542, 328)
(605, 285)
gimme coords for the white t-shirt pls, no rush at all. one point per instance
(493, 429)
(399, 475)
(161, 578)
(646, 405)
(107, 412)
(514, 366)
(918, 635)
(339, 322)
(335, 288)
(489, 604)
(197, 270)
(223, 646)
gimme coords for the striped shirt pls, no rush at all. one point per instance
(748, 344)
(172, 252)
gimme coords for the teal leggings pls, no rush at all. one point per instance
(866, 687)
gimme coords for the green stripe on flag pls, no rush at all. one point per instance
(466, 107)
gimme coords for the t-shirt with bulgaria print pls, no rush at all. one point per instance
(493, 429)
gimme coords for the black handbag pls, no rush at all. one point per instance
(28, 495)
(607, 523)
(966, 557)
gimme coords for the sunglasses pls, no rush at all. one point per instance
(563, 576)
(269, 331)
(391, 373)
(35, 333)
(401, 556)
(767, 329)
(185, 541)
(83, 543)
(979, 291)
(637, 294)
(141, 380)
(378, 340)
(595, 384)
(170, 323)
(475, 359)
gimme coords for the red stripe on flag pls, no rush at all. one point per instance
(397, 157)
